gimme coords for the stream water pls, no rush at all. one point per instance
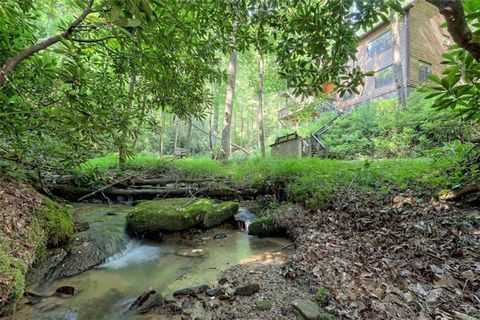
(107, 290)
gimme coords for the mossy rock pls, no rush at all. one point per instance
(219, 214)
(57, 223)
(265, 226)
(150, 219)
(12, 275)
(322, 296)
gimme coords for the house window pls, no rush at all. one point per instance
(380, 43)
(384, 76)
(424, 70)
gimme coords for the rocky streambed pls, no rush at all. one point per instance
(105, 270)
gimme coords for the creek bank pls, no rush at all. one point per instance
(29, 224)
(255, 290)
(100, 235)
(152, 219)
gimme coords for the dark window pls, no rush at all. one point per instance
(384, 77)
(380, 43)
(424, 70)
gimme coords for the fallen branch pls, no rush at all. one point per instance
(456, 194)
(165, 181)
(105, 187)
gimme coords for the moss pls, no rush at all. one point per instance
(152, 218)
(265, 226)
(322, 295)
(12, 274)
(56, 222)
(327, 316)
(220, 213)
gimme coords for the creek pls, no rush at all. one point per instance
(131, 266)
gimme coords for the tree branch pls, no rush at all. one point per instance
(91, 40)
(12, 62)
(457, 25)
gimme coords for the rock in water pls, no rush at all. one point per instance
(220, 236)
(148, 219)
(66, 291)
(155, 300)
(191, 252)
(308, 309)
(248, 290)
(142, 299)
(191, 291)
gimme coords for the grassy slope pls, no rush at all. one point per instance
(310, 181)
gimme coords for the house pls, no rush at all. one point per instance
(422, 43)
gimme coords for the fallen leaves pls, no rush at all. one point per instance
(401, 260)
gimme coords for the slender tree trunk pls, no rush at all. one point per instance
(175, 138)
(397, 61)
(189, 137)
(11, 63)
(122, 150)
(260, 115)
(227, 119)
(214, 131)
(161, 132)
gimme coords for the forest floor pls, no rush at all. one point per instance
(410, 259)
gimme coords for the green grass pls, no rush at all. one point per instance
(310, 181)
(106, 167)
(315, 182)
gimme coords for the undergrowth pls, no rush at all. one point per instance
(312, 182)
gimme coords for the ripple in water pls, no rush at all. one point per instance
(134, 253)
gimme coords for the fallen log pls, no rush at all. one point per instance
(165, 181)
(456, 194)
(171, 192)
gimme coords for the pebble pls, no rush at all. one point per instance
(308, 309)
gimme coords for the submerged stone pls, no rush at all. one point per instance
(149, 219)
(191, 252)
(66, 291)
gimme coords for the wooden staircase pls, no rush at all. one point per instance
(313, 145)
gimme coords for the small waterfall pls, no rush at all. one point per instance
(135, 252)
(244, 217)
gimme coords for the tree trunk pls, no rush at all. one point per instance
(457, 25)
(260, 115)
(11, 63)
(397, 61)
(122, 151)
(214, 128)
(175, 138)
(161, 132)
(189, 137)
(227, 119)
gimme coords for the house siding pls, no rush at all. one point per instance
(427, 40)
(421, 39)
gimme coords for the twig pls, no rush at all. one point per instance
(105, 187)
(287, 246)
